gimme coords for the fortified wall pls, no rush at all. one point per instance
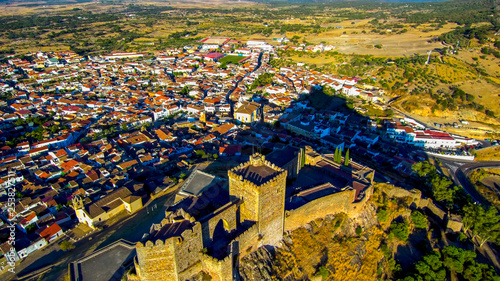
(188, 242)
(319, 208)
(349, 201)
(170, 259)
(416, 196)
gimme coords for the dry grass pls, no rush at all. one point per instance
(458, 73)
(314, 247)
(486, 94)
(489, 187)
(488, 154)
(319, 60)
(354, 41)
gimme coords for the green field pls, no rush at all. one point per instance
(231, 59)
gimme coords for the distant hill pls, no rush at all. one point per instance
(381, 1)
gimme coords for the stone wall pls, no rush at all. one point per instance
(319, 208)
(157, 261)
(429, 204)
(311, 156)
(396, 192)
(264, 203)
(271, 217)
(173, 259)
(416, 195)
(293, 167)
(187, 252)
(222, 220)
(189, 272)
(219, 270)
(248, 241)
(455, 223)
(249, 195)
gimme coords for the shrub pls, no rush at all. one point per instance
(359, 230)
(338, 223)
(66, 246)
(382, 215)
(323, 272)
(400, 230)
(419, 219)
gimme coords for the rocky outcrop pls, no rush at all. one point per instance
(330, 243)
(258, 265)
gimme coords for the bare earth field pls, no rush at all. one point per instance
(354, 41)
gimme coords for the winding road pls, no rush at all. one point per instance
(461, 170)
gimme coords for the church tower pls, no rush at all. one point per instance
(261, 186)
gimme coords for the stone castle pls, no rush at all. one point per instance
(207, 235)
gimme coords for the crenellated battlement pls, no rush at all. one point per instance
(257, 160)
(255, 216)
(208, 258)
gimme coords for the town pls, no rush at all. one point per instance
(88, 139)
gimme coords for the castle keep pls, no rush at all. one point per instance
(207, 234)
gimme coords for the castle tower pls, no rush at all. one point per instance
(261, 187)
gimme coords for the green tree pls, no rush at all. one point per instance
(431, 268)
(337, 157)
(479, 271)
(484, 223)
(66, 245)
(440, 189)
(184, 91)
(382, 214)
(473, 273)
(346, 158)
(30, 228)
(419, 219)
(389, 112)
(200, 153)
(400, 230)
(477, 175)
(359, 230)
(455, 258)
(323, 272)
(19, 122)
(424, 169)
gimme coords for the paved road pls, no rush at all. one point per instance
(461, 170)
(131, 229)
(427, 125)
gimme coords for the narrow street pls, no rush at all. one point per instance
(259, 63)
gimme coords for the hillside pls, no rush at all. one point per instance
(388, 240)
